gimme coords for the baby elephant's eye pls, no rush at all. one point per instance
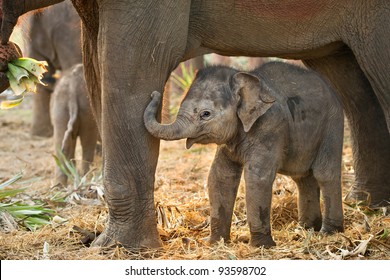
(205, 115)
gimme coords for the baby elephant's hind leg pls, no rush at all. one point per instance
(327, 171)
(309, 209)
(333, 219)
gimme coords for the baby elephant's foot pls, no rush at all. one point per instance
(216, 238)
(314, 223)
(332, 227)
(61, 180)
(261, 239)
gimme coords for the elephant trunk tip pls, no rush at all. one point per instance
(156, 95)
(174, 131)
(151, 111)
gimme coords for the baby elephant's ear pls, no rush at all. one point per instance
(255, 96)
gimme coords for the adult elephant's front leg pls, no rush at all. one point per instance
(138, 47)
(370, 137)
(41, 121)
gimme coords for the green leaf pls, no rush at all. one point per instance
(384, 234)
(31, 216)
(11, 181)
(8, 104)
(10, 192)
(32, 223)
(17, 72)
(19, 213)
(62, 166)
(185, 79)
(17, 88)
(34, 67)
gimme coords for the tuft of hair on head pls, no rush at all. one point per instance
(219, 72)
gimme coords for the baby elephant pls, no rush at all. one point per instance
(72, 118)
(279, 118)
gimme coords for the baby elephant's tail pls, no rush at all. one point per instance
(71, 131)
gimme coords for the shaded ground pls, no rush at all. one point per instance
(181, 204)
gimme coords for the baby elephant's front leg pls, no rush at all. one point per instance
(223, 181)
(258, 183)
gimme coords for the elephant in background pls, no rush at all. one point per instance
(130, 49)
(278, 118)
(54, 36)
(72, 118)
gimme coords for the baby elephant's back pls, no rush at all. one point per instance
(70, 100)
(311, 108)
(78, 86)
(304, 94)
(71, 89)
(294, 84)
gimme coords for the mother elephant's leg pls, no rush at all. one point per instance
(138, 46)
(371, 43)
(370, 137)
(41, 122)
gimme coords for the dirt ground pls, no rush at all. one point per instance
(181, 206)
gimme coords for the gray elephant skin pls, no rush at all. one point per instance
(131, 47)
(277, 118)
(72, 118)
(54, 36)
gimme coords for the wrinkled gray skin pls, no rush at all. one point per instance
(279, 118)
(53, 36)
(72, 118)
(131, 47)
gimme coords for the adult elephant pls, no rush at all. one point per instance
(54, 36)
(130, 47)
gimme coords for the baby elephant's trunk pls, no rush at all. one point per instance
(177, 130)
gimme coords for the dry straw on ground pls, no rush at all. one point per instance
(182, 210)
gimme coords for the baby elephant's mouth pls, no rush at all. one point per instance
(203, 139)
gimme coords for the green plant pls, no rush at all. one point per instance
(23, 74)
(79, 185)
(28, 216)
(184, 80)
(69, 169)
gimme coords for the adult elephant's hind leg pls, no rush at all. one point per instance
(371, 45)
(370, 137)
(137, 47)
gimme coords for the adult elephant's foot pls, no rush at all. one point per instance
(115, 234)
(131, 219)
(42, 130)
(372, 195)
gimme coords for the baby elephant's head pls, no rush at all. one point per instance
(218, 103)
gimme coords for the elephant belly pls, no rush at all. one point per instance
(302, 148)
(253, 29)
(298, 167)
